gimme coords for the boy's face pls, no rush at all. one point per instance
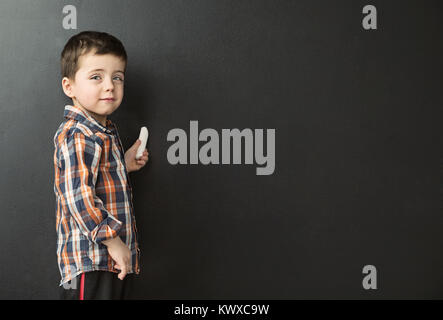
(91, 86)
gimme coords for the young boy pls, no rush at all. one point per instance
(97, 235)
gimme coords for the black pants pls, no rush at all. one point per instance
(97, 285)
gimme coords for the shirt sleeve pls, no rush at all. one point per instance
(80, 157)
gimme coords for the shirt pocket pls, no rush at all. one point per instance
(114, 159)
(112, 175)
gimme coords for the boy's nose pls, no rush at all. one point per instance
(109, 84)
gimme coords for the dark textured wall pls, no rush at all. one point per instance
(356, 114)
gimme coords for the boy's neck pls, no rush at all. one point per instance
(99, 118)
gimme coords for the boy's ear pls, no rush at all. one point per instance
(67, 86)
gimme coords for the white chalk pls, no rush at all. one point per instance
(144, 134)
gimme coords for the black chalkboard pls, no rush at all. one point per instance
(357, 153)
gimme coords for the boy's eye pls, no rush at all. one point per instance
(120, 78)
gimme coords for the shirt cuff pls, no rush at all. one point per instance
(107, 229)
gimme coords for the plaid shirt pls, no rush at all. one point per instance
(93, 195)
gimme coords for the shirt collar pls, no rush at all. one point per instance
(74, 112)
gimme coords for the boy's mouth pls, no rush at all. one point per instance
(108, 99)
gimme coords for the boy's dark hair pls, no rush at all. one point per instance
(84, 42)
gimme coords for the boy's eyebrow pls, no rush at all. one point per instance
(104, 70)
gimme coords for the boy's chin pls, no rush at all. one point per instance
(105, 108)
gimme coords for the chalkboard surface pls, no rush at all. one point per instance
(354, 113)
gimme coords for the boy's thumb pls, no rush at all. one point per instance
(136, 144)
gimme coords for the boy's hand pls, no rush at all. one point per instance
(133, 164)
(121, 254)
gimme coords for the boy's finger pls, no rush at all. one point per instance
(123, 273)
(136, 144)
